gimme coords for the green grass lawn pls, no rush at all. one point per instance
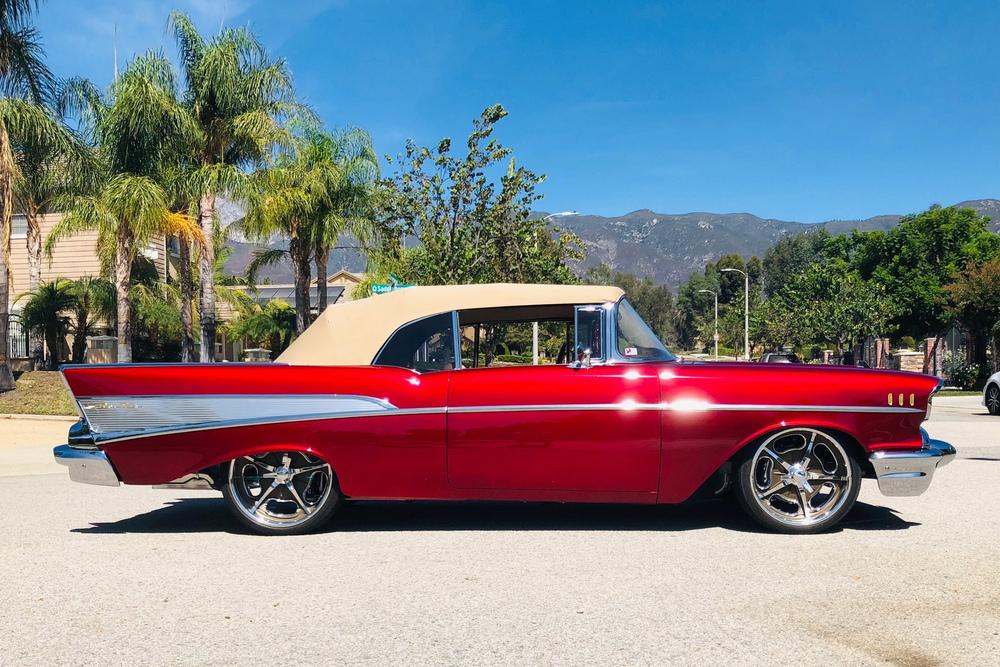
(957, 392)
(38, 393)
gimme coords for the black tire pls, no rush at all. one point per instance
(302, 503)
(754, 488)
(993, 399)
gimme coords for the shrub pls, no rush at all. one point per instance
(965, 377)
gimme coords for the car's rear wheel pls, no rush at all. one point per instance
(281, 493)
(800, 480)
(993, 399)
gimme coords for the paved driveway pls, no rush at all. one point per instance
(138, 576)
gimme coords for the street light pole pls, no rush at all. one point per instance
(746, 311)
(716, 338)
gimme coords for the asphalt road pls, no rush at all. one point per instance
(138, 576)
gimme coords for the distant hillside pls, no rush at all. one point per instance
(668, 247)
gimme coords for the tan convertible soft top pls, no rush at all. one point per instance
(352, 333)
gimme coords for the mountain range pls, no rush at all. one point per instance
(668, 247)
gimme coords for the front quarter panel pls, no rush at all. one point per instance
(716, 410)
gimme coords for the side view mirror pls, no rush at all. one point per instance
(584, 358)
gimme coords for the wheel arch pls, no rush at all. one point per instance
(849, 440)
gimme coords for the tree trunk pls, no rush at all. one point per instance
(185, 274)
(52, 342)
(300, 267)
(79, 346)
(36, 348)
(6, 377)
(206, 266)
(123, 275)
(322, 257)
(6, 206)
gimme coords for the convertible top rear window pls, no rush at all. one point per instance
(424, 345)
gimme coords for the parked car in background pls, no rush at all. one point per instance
(780, 358)
(991, 394)
(393, 398)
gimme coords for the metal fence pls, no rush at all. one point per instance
(17, 342)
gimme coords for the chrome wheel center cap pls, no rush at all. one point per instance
(798, 476)
(282, 475)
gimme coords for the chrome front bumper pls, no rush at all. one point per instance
(88, 466)
(909, 473)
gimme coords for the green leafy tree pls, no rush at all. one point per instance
(917, 259)
(790, 256)
(654, 303)
(470, 228)
(238, 97)
(974, 300)
(837, 305)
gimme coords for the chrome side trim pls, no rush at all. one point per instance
(237, 423)
(909, 473)
(385, 409)
(88, 466)
(679, 406)
(110, 414)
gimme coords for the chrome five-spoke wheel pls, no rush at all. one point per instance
(800, 480)
(281, 492)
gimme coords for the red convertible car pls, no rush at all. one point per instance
(417, 394)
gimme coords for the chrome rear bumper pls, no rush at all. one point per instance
(88, 466)
(909, 473)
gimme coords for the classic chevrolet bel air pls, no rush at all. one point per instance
(405, 396)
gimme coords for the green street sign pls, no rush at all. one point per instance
(383, 288)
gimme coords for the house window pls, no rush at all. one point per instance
(18, 226)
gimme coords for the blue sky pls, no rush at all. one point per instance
(795, 110)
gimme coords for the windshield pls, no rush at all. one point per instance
(636, 341)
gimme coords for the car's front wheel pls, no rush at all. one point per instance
(993, 399)
(281, 493)
(800, 480)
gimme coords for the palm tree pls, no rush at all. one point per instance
(50, 164)
(140, 129)
(26, 84)
(238, 98)
(273, 324)
(45, 309)
(94, 300)
(346, 209)
(315, 193)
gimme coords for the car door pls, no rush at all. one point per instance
(557, 428)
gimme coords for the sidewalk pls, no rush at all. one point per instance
(26, 443)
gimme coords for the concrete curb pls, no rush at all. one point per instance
(57, 418)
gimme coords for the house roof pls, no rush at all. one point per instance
(352, 333)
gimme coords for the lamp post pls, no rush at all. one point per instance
(716, 338)
(746, 311)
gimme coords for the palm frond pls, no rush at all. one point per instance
(23, 72)
(261, 259)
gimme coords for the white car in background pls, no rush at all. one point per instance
(991, 394)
